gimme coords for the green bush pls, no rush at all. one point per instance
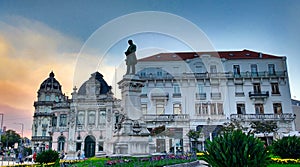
(287, 147)
(236, 149)
(47, 156)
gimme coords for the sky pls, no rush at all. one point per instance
(75, 38)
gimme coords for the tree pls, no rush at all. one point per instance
(193, 136)
(232, 126)
(287, 147)
(236, 148)
(264, 127)
(47, 156)
(9, 138)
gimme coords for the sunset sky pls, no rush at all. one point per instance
(66, 37)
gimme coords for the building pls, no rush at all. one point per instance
(80, 123)
(181, 91)
(296, 110)
(202, 91)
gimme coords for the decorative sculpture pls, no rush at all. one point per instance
(131, 58)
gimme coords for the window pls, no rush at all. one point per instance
(201, 109)
(47, 109)
(159, 73)
(54, 121)
(177, 109)
(236, 70)
(275, 88)
(91, 118)
(56, 98)
(220, 108)
(213, 69)
(271, 68)
(35, 131)
(277, 108)
(160, 109)
(42, 147)
(100, 146)
(80, 118)
(254, 69)
(198, 69)
(256, 88)
(198, 109)
(143, 74)
(213, 110)
(47, 98)
(239, 90)
(204, 109)
(102, 116)
(176, 88)
(63, 120)
(201, 88)
(240, 108)
(144, 108)
(259, 109)
(61, 143)
(44, 132)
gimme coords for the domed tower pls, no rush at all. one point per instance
(48, 94)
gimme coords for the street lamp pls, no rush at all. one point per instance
(1, 128)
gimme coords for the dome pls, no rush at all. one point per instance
(95, 79)
(50, 84)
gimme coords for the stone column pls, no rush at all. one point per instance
(131, 88)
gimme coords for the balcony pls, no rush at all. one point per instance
(259, 117)
(43, 103)
(263, 74)
(176, 95)
(215, 96)
(239, 94)
(143, 95)
(40, 138)
(40, 114)
(166, 117)
(61, 105)
(260, 95)
(164, 95)
(201, 96)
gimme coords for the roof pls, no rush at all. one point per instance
(179, 56)
(50, 84)
(104, 87)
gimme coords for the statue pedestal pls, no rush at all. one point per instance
(131, 88)
(133, 136)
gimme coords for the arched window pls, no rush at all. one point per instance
(61, 143)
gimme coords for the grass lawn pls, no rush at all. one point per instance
(284, 165)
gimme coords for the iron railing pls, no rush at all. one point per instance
(258, 117)
(166, 117)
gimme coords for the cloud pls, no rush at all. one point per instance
(13, 116)
(29, 51)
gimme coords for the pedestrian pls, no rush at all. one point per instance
(78, 154)
(20, 157)
(62, 154)
(34, 156)
(82, 154)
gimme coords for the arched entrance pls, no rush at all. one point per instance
(89, 146)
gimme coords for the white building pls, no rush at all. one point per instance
(204, 90)
(182, 91)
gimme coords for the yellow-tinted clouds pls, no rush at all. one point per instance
(29, 51)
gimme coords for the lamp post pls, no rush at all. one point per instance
(1, 129)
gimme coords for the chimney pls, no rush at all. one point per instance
(260, 55)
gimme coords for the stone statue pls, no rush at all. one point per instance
(131, 57)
